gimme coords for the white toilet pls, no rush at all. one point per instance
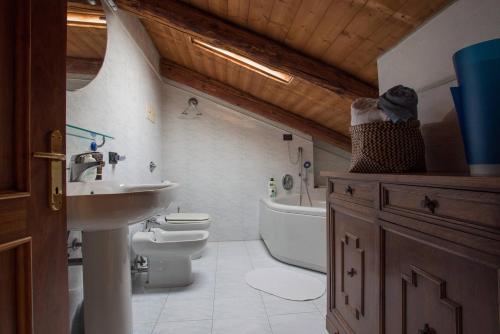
(169, 254)
(186, 222)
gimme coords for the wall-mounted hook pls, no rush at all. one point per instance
(152, 166)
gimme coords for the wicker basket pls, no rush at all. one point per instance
(385, 147)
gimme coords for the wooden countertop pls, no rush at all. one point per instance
(460, 180)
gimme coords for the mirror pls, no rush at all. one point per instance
(86, 42)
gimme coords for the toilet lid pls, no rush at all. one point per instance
(186, 217)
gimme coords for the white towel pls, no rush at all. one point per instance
(364, 110)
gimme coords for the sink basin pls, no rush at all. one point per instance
(102, 210)
(108, 205)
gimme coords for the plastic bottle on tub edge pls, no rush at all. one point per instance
(272, 189)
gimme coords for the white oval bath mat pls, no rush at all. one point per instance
(285, 283)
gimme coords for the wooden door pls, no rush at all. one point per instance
(33, 264)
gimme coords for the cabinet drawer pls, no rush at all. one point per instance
(431, 290)
(481, 208)
(354, 191)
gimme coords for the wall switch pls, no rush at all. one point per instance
(151, 114)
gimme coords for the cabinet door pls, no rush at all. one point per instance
(354, 281)
(430, 290)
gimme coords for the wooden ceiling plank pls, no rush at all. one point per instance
(311, 12)
(232, 75)
(282, 16)
(180, 46)
(85, 42)
(338, 16)
(162, 39)
(259, 14)
(251, 45)
(408, 16)
(237, 12)
(368, 20)
(241, 99)
(218, 7)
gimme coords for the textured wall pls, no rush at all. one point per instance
(424, 61)
(329, 158)
(223, 161)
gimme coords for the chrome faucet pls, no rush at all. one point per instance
(78, 167)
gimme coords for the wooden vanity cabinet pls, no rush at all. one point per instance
(413, 254)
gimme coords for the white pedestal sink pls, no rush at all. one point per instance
(102, 210)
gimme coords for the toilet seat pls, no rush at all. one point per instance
(181, 218)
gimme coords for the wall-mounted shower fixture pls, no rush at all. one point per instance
(191, 109)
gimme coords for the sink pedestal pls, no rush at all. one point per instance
(106, 282)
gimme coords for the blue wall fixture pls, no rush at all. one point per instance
(477, 101)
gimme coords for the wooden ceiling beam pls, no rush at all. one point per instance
(222, 34)
(183, 75)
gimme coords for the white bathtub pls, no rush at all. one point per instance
(295, 234)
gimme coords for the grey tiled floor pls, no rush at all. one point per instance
(220, 302)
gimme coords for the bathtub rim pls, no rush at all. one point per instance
(294, 209)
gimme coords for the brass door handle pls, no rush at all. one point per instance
(56, 158)
(50, 156)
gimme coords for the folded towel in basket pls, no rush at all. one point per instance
(399, 103)
(364, 110)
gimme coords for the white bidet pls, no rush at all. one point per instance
(186, 222)
(169, 254)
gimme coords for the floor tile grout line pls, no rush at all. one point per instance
(260, 293)
(215, 284)
(159, 314)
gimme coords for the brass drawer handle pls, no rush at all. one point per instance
(351, 272)
(430, 204)
(426, 330)
(349, 190)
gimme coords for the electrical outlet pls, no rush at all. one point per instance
(151, 114)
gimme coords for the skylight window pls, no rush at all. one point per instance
(244, 61)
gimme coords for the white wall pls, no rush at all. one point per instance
(329, 158)
(115, 103)
(224, 159)
(423, 61)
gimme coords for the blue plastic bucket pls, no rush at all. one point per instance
(477, 101)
